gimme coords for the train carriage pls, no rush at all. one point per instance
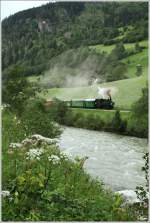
(91, 103)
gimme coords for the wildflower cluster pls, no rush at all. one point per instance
(15, 145)
(34, 154)
(55, 159)
(5, 193)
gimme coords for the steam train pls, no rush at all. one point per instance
(91, 103)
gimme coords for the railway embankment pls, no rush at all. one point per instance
(121, 122)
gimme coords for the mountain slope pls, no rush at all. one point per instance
(32, 37)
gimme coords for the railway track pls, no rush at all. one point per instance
(107, 110)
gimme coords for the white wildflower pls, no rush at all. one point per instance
(64, 155)
(18, 122)
(27, 141)
(5, 193)
(36, 139)
(34, 154)
(43, 139)
(10, 199)
(55, 159)
(15, 145)
(5, 106)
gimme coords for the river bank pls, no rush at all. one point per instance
(121, 122)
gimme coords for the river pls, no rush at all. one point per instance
(113, 158)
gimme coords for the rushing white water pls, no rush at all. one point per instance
(115, 159)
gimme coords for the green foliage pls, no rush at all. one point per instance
(138, 48)
(81, 118)
(140, 108)
(58, 110)
(142, 192)
(119, 51)
(138, 70)
(117, 72)
(37, 120)
(16, 89)
(139, 119)
(139, 32)
(118, 124)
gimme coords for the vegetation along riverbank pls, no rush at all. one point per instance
(41, 183)
(133, 122)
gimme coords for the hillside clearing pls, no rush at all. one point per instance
(102, 48)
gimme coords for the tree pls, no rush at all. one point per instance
(138, 70)
(37, 119)
(137, 47)
(119, 51)
(16, 89)
(140, 108)
(138, 124)
(117, 123)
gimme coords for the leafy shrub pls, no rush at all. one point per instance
(37, 120)
(117, 124)
(107, 42)
(16, 89)
(119, 51)
(117, 73)
(143, 192)
(58, 110)
(138, 123)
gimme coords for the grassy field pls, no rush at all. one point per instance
(105, 115)
(100, 47)
(133, 60)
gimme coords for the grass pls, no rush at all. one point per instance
(33, 78)
(105, 115)
(133, 60)
(100, 47)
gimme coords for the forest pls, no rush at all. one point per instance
(45, 32)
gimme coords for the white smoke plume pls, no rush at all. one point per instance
(65, 71)
(106, 92)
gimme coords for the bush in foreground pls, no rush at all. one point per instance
(47, 186)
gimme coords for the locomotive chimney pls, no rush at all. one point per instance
(109, 94)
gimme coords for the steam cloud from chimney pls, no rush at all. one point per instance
(105, 93)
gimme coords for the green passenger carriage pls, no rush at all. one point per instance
(91, 103)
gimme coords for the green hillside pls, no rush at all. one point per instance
(139, 58)
(131, 61)
(31, 38)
